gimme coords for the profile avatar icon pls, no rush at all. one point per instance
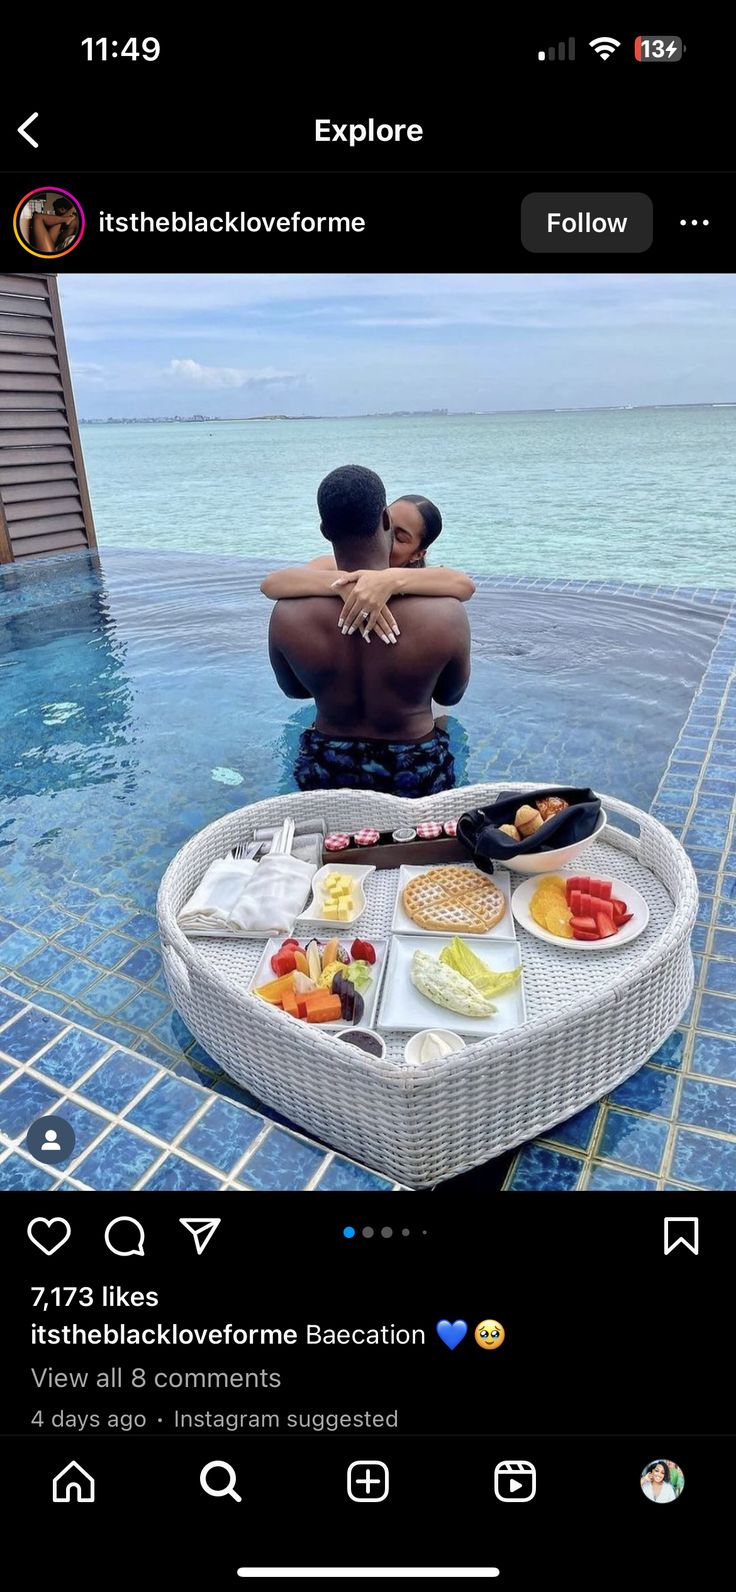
(48, 221)
(50, 1144)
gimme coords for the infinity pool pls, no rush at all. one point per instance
(138, 705)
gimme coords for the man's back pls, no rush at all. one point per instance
(377, 691)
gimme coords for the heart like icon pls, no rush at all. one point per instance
(452, 1332)
(49, 1222)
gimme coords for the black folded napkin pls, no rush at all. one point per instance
(479, 829)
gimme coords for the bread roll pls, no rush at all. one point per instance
(510, 830)
(527, 821)
(549, 805)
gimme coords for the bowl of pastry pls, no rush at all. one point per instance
(531, 820)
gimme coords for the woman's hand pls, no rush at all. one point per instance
(365, 606)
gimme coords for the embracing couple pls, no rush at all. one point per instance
(373, 665)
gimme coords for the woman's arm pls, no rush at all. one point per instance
(305, 580)
(371, 589)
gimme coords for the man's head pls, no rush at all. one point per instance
(352, 510)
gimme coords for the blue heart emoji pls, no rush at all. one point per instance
(452, 1332)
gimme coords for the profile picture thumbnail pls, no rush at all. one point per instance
(662, 1481)
(48, 221)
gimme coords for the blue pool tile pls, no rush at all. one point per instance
(166, 1108)
(15, 1173)
(175, 1173)
(9, 1007)
(143, 964)
(343, 1177)
(711, 1163)
(87, 1127)
(708, 1105)
(29, 1033)
(671, 1052)
(637, 1141)
(6, 1070)
(111, 992)
(155, 1052)
(146, 1009)
(577, 1132)
(77, 897)
(187, 1067)
(606, 1177)
(72, 1055)
(721, 976)
(117, 1081)
(23, 1101)
(24, 908)
(19, 946)
(19, 986)
(118, 1162)
(110, 950)
(717, 1057)
(49, 1001)
(142, 927)
(281, 1162)
(726, 918)
(699, 937)
(173, 1031)
(6, 929)
(538, 1168)
(80, 936)
(74, 977)
(648, 1090)
(201, 1057)
(51, 921)
(223, 1134)
(108, 913)
(45, 965)
(716, 1011)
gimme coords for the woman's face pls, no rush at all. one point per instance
(657, 1475)
(408, 527)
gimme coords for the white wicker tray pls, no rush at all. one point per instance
(591, 1021)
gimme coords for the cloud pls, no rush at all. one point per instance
(214, 376)
(84, 371)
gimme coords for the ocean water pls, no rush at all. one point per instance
(630, 495)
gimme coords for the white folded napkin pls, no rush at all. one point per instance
(249, 897)
(219, 891)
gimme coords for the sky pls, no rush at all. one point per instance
(290, 343)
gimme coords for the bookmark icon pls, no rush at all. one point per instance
(201, 1229)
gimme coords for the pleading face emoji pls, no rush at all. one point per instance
(489, 1334)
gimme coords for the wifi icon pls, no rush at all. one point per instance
(605, 47)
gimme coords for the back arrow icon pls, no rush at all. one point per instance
(24, 125)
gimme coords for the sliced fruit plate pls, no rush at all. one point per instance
(330, 982)
(579, 912)
(338, 894)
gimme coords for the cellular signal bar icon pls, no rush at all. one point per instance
(558, 52)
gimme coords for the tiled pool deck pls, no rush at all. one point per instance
(87, 1028)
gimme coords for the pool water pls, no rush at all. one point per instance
(138, 706)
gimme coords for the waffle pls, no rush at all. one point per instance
(454, 901)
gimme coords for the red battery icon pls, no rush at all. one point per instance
(647, 47)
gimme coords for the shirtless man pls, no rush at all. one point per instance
(374, 727)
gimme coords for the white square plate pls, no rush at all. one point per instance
(264, 974)
(402, 1006)
(505, 929)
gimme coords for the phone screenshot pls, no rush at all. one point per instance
(367, 800)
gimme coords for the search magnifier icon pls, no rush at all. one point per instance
(220, 1492)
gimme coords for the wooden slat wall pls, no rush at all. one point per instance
(44, 500)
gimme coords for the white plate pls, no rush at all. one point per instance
(624, 892)
(503, 930)
(264, 974)
(313, 913)
(402, 1006)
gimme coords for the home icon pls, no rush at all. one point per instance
(73, 1485)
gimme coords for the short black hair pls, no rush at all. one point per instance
(430, 515)
(351, 501)
(60, 205)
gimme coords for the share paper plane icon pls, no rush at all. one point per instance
(201, 1229)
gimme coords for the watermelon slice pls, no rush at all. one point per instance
(583, 934)
(575, 902)
(606, 926)
(588, 925)
(625, 919)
